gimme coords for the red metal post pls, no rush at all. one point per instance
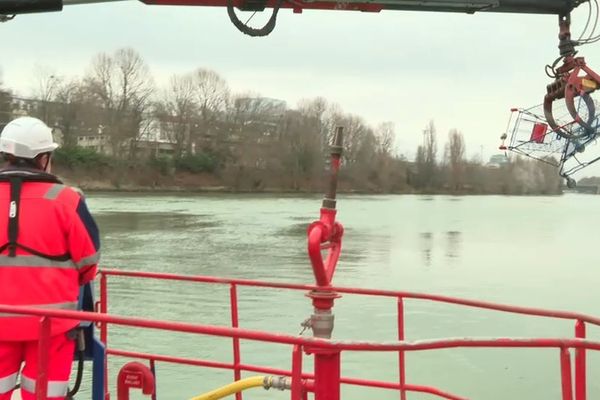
(41, 386)
(297, 389)
(327, 375)
(236, 341)
(104, 328)
(153, 370)
(565, 372)
(401, 353)
(580, 364)
(104, 308)
(327, 361)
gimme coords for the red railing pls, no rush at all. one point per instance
(236, 333)
(303, 382)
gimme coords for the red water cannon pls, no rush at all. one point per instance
(325, 236)
(324, 247)
(326, 233)
(135, 375)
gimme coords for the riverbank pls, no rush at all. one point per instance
(95, 185)
(494, 182)
(182, 182)
(103, 186)
(95, 172)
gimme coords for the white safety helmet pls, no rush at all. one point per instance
(26, 137)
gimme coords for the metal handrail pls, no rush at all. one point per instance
(306, 381)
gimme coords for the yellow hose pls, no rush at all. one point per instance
(232, 388)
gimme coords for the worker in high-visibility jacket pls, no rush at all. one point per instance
(49, 246)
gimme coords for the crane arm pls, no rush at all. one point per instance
(9, 7)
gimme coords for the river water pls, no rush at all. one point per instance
(534, 251)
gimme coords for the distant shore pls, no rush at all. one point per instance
(97, 187)
(140, 181)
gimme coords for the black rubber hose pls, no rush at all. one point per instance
(79, 377)
(264, 31)
(80, 364)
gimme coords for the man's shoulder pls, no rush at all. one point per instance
(77, 190)
(63, 193)
(72, 189)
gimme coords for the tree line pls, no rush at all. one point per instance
(210, 134)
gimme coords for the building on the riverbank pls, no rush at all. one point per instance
(498, 161)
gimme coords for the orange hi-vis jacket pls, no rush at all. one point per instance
(49, 246)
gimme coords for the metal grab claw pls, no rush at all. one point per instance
(569, 85)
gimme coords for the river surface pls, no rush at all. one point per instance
(534, 251)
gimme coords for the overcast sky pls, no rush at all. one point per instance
(463, 71)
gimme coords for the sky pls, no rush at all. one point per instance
(463, 71)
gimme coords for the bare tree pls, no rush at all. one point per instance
(322, 115)
(69, 110)
(178, 109)
(259, 123)
(313, 108)
(386, 134)
(47, 84)
(300, 146)
(418, 177)
(430, 144)
(426, 158)
(332, 118)
(5, 105)
(355, 131)
(123, 86)
(455, 155)
(212, 97)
